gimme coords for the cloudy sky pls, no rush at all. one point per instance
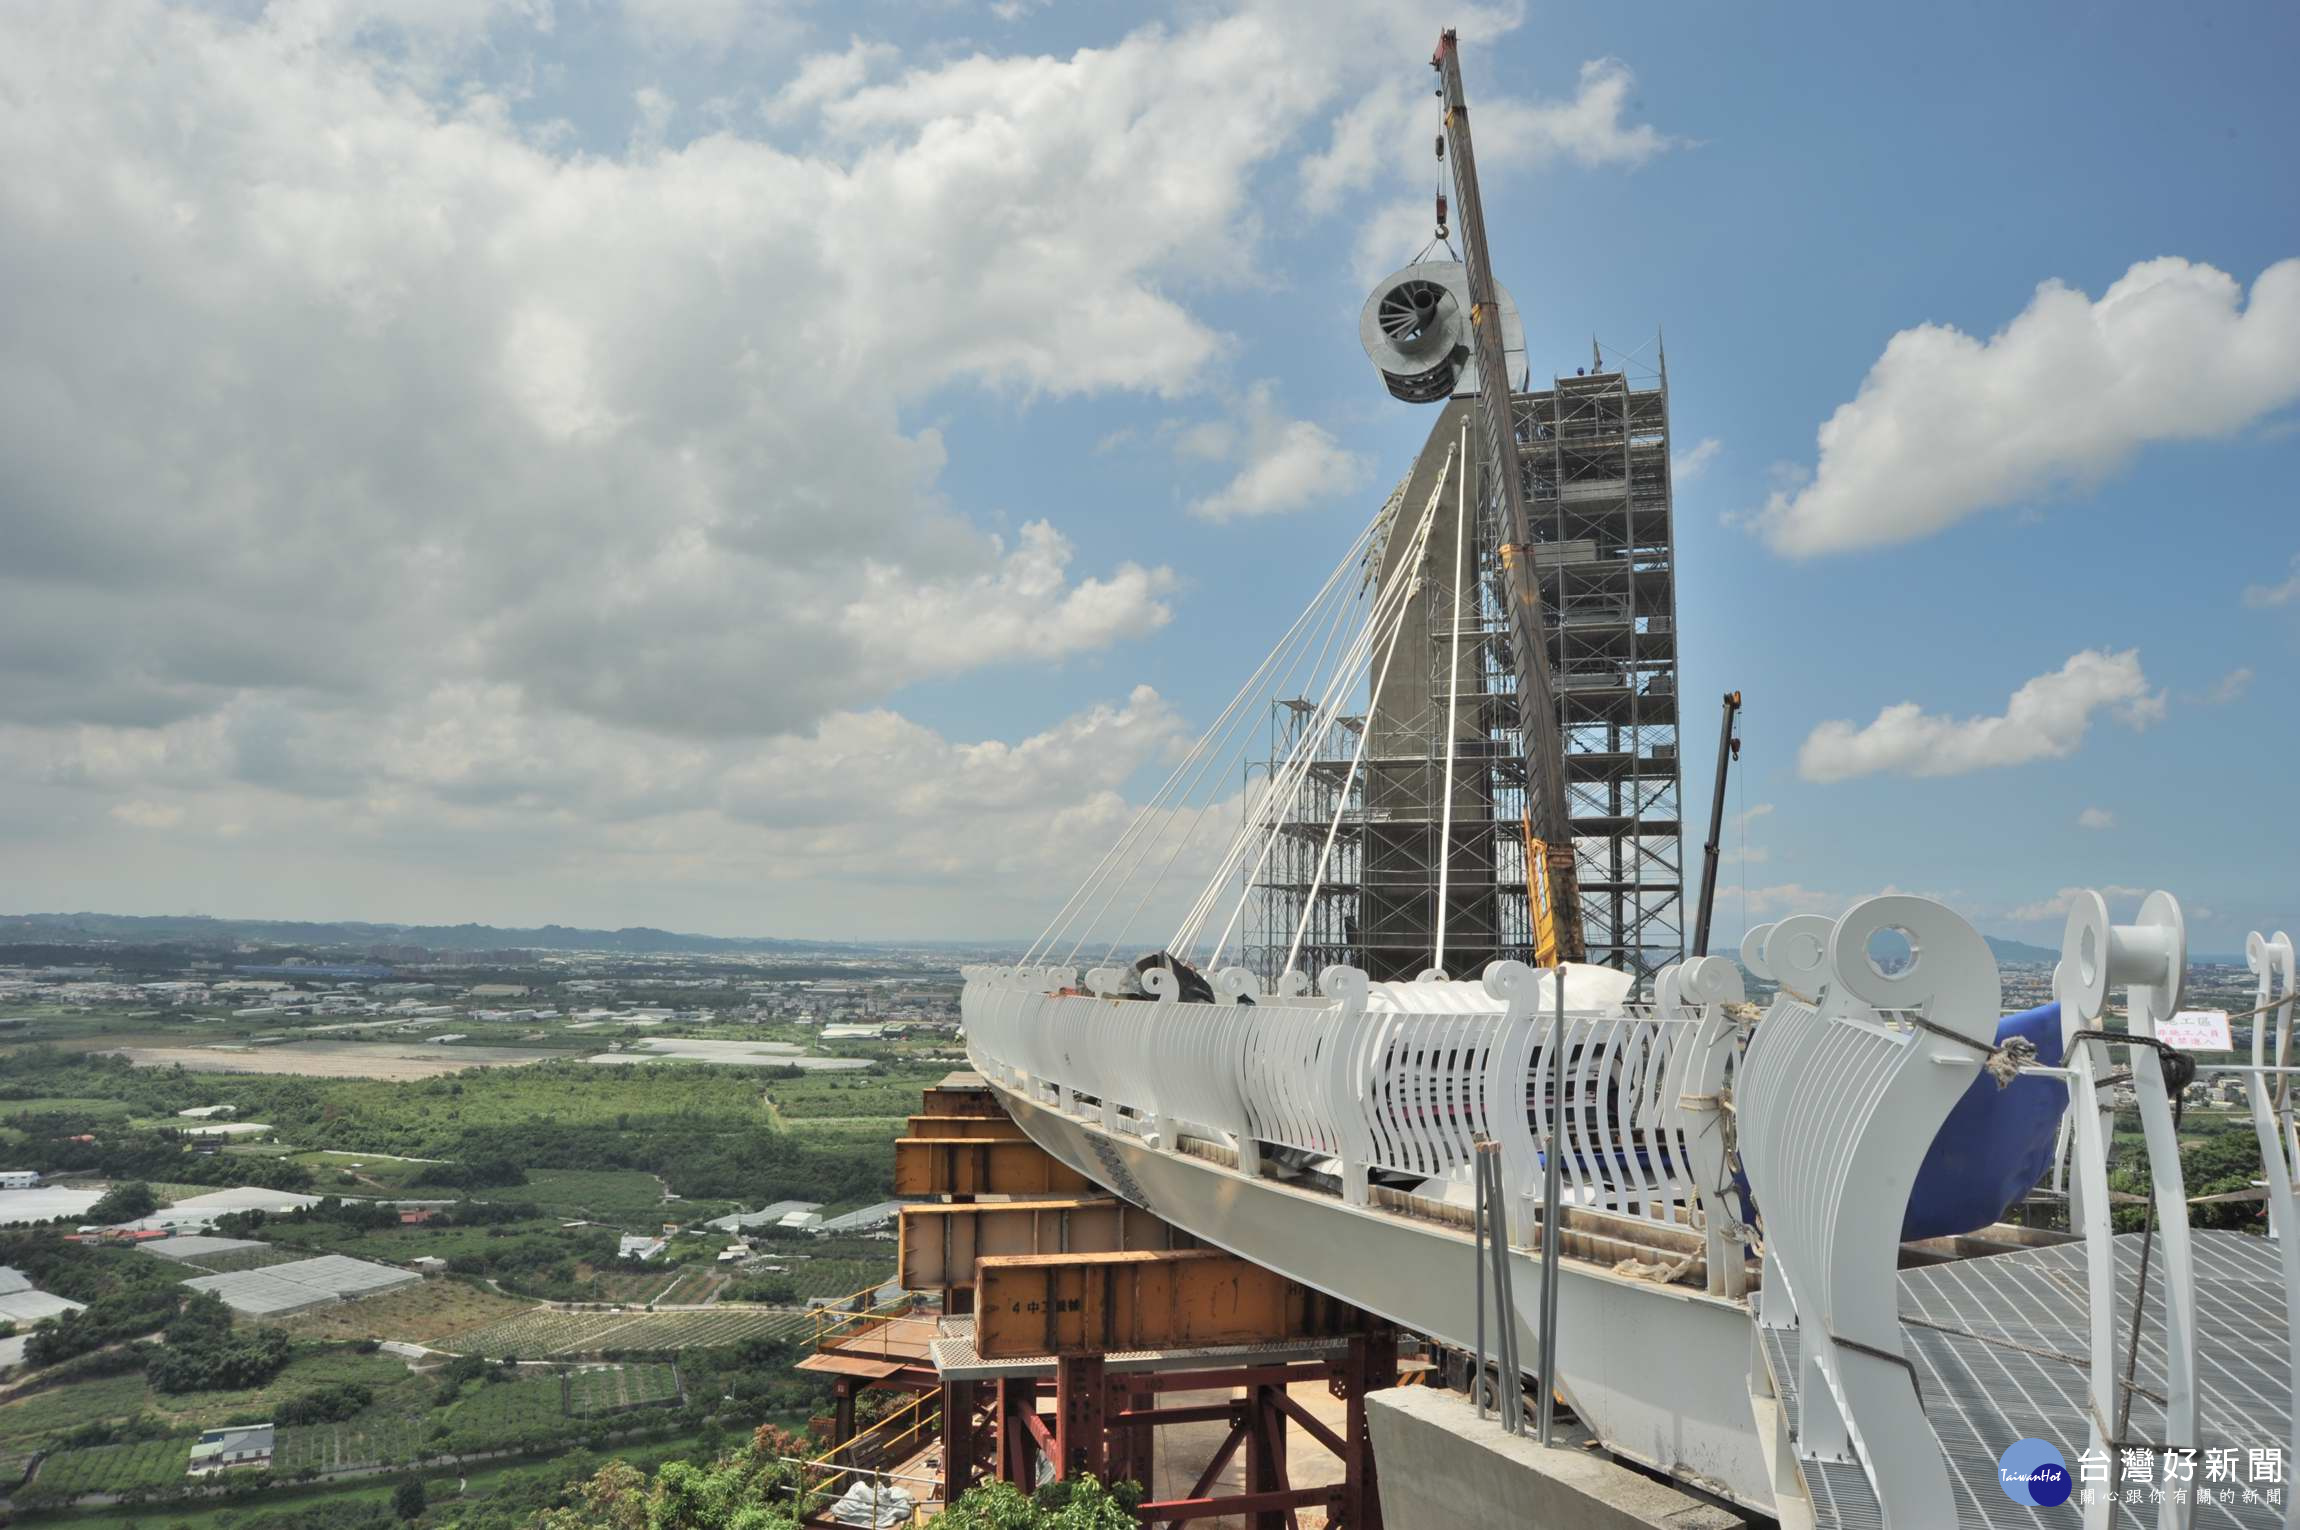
(766, 468)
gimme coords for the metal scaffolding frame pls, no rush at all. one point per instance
(1594, 451)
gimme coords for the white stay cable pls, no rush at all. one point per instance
(1183, 840)
(1453, 691)
(1279, 782)
(1131, 837)
(1283, 790)
(1420, 552)
(1389, 606)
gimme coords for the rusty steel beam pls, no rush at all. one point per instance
(997, 1128)
(956, 1100)
(957, 1166)
(1054, 1304)
(1176, 1510)
(940, 1243)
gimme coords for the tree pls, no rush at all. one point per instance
(124, 1202)
(1080, 1504)
(407, 1499)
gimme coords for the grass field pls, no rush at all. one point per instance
(692, 1286)
(892, 1094)
(422, 1314)
(205, 1410)
(613, 1389)
(372, 1172)
(497, 1414)
(38, 1416)
(114, 1468)
(545, 1334)
(607, 1195)
(635, 1286)
(49, 1107)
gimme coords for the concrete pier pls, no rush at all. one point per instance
(1443, 1468)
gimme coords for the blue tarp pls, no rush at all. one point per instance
(1996, 1143)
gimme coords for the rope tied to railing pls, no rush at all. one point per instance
(2001, 1060)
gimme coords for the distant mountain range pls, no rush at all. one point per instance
(199, 930)
(190, 929)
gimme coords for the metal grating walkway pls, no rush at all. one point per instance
(1980, 1395)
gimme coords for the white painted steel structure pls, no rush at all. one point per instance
(1314, 1133)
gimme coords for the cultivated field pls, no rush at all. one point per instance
(29, 1420)
(334, 1059)
(422, 1314)
(503, 1413)
(614, 1389)
(368, 1441)
(113, 1468)
(544, 1334)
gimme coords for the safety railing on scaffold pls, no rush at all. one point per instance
(845, 1320)
(891, 1440)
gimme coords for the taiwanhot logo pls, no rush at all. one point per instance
(2033, 1472)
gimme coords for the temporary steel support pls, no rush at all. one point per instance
(940, 1243)
(1103, 1421)
(949, 1099)
(1053, 1304)
(967, 1166)
(970, 1128)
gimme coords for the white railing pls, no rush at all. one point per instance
(1400, 1079)
(1845, 1084)
(2267, 1087)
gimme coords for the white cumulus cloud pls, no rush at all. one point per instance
(1947, 425)
(2096, 818)
(2045, 719)
(2260, 596)
(2056, 907)
(1691, 463)
(1284, 464)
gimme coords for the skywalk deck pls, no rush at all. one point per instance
(1998, 1346)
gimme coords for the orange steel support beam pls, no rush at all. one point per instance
(965, 1166)
(1041, 1304)
(997, 1128)
(952, 1100)
(940, 1243)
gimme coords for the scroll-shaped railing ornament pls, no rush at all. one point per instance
(2150, 958)
(1846, 1081)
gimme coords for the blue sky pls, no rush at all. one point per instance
(410, 663)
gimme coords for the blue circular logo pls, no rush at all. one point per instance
(2032, 1472)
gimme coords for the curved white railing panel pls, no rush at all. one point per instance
(1364, 1076)
(1844, 1085)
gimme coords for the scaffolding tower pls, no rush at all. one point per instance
(1594, 452)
